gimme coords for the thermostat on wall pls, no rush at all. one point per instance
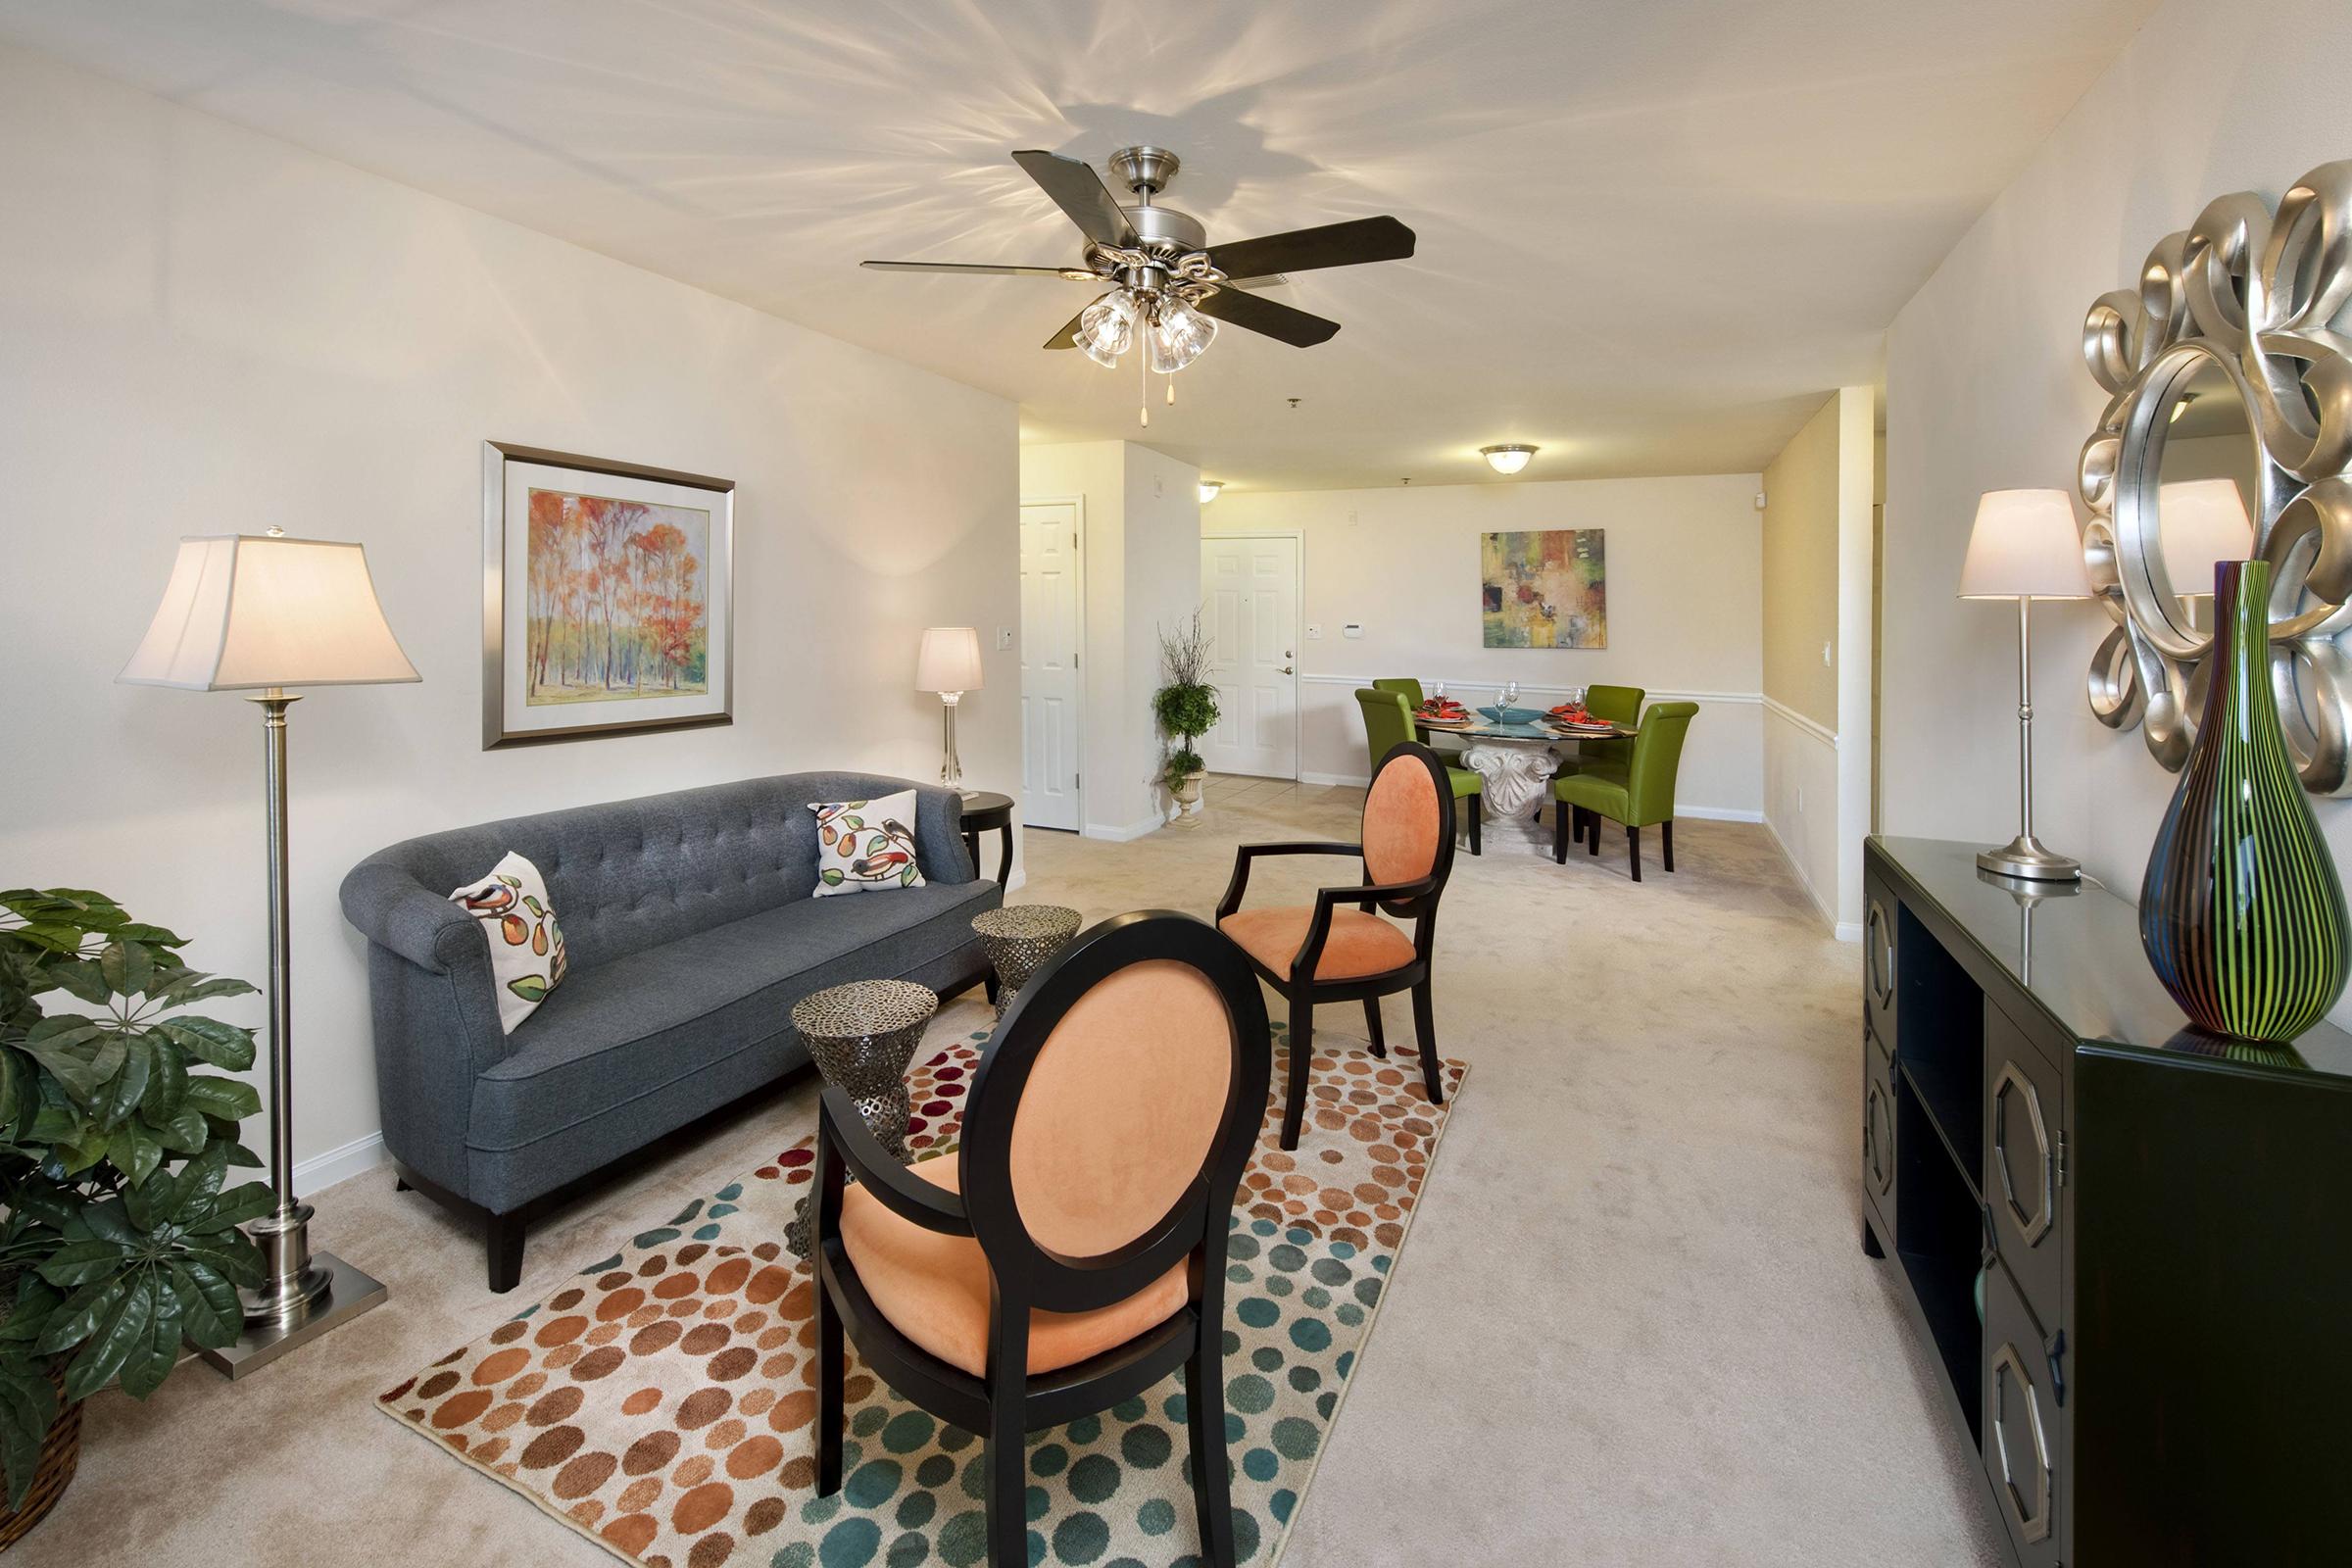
(1351, 629)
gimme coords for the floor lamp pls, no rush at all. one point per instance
(2024, 546)
(258, 613)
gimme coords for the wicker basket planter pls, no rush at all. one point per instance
(61, 1454)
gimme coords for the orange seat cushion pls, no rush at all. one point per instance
(1360, 942)
(934, 1288)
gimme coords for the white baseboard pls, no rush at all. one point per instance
(1843, 931)
(1124, 835)
(1017, 881)
(1718, 814)
(1850, 930)
(1350, 780)
(359, 1155)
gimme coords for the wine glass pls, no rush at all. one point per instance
(1510, 694)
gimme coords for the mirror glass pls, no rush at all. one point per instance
(2207, 494)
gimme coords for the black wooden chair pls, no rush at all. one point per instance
(1337, 949)
(1072, 1252)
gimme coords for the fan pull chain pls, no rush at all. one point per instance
(1143, 407)
(1171, 391)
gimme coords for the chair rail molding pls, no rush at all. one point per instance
(1811, 726)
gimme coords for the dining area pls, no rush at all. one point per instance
(1601, 756)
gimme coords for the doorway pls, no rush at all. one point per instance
(1053, 628)
(1250, 583)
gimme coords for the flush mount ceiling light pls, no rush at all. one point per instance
(1209, 489)
(1167, 284)
(1506, 459)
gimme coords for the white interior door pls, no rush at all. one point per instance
(1250, 582)
(1052, 581)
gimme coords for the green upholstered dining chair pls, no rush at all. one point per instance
(1403, 686)
(1619, 705)
(1640, 797)
(1389, 723)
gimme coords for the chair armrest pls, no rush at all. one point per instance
(1327, 900)
(1243, 855)
(394, 911)
(897, 1188)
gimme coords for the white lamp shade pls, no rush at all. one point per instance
(247, 611)
(2025, 545)
(950, 660)
(2201, 522)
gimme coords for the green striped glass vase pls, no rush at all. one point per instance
(2240, 911)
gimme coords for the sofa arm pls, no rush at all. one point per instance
(939, 847)
(394, 911)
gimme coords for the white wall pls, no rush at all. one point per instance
(1143, 568)
(203, 329)
(1985, 387)
(1685, 606)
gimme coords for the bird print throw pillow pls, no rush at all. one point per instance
(865, 845)
(526, 946)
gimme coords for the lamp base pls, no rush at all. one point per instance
(348, 1294)
(2025, 857)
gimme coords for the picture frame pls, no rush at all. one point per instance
(608, 597)
(1545, 588)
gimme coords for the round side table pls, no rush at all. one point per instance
(1019, 939)
(863, 1036)
(981, 812)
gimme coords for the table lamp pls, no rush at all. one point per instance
(2201, 522)
(948, 664)
(259, 614)
(2024, 546)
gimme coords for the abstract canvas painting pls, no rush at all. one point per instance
(608, 597)
(1546, 589)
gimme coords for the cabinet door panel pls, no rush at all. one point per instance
(2025, 1116)
(1879, 924)
(2024, 1425)
(1877, 1128)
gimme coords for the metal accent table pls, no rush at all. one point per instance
(981, 812)
(1019, 939)
(863, 1036)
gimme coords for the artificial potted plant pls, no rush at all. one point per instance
(118, 1236)
(1186, 706)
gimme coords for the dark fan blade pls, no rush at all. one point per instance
(1067, 337)
(1260, 315)
(1080, 192)
(1078, 273)
(1366, 239)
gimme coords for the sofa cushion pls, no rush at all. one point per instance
(629, 1026)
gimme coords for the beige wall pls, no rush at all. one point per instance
(1800, 570)
(203, 329)
(1985, 387)
(1684, 604)
(1143, 569)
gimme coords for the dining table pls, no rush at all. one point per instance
(1510, 749)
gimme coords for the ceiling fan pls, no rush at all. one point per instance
(1168, 285)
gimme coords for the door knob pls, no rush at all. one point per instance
(1287, 671)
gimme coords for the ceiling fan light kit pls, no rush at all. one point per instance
(1167, 284)
(1508, 459)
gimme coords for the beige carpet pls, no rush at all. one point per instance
(1636, 1325)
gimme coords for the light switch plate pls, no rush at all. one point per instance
(1004, 638)
(1314, 631)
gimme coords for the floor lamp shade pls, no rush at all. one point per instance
(2025, 545)
(948, 661)
(250, 612)
(2203, 521)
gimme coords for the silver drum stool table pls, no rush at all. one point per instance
(1020, 938)
(863, 1036)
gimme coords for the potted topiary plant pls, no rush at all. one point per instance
(1186, 706)
(117, 1237)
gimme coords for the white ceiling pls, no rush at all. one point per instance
(1653, 233)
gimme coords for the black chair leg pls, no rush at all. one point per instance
(1007, 1481)
(1425, 1032)
(1633, 848)
(1478, 818)
(505, 1239)
(1666, 841)
(1204, 1418)
(1380, 1045)
(1592, 832)
(831, 1414)
(1302, 1051)
(1559, 831)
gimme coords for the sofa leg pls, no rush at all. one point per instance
(505, 1252)
(1666, 841)
(399, 1183)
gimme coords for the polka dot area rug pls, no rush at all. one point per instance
(662, 1403)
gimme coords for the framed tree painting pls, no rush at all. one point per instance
(608, 597)
(1546, 589)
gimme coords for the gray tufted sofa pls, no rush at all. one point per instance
(690, 931)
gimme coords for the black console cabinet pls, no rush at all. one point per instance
(2130, 1244)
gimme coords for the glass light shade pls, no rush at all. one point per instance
(2025, 545)
(249, 612)
(2201, 522)
(1209, 489)
(1507, 459)
(1106, 328)
(949, 660)
(1177, 336)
